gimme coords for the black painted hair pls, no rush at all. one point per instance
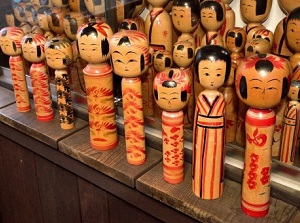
(214, 5)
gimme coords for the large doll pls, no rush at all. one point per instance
(262, 82)
(212, 65)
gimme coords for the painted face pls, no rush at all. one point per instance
(31, 14)
(293, 94)
(181, 17)
(252, 11)
(212, 74)
(265, 34)
(10, 19)
(19, 11)
(172, 91)
(93, 8)
(10, 41)
(33, 47)
(162, 59)
(183, 54)
(236, 39)
(43, 22)
(293, 34)
(209, 20)
(262, 80)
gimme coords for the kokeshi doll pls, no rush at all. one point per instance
(11, 20)
(162, 59)
(264, 34)
(257, 46)
(212, 66)
(290, 124)
(212, 17)
(72, 21)
(262, 82)
(136, 23)
(293, 35)
(31, 14)
(33, 47)
(19, 12)
(95, 7)
(254, 13)
(59, 57)
(130, 59)
(280, 43)
(172, 90)
(10, 42)
(158, 26)
(229, 21)
(183, 56)
(93, 45)
(129, 10)
(186, 18)
(78, 6)
(42, 18)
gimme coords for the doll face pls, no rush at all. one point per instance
(236, 39)
(19, 11)
(212, 73)
(294, 92)
(181, 17)
(262, 80)
(31, 15)
(293, 34)
(10, 19)
(183, 54)
(11, 44)
(209, 19)
(90, 49)
(43, 22)
(93, 8)
(160, 60)
(171, 94)
(59, 57)
(33, 52)
(250, 10)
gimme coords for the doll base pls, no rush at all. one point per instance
(104, 147)
(256, 214)
(24, 109)
(45, 118)
(66, 126)
(136, 163)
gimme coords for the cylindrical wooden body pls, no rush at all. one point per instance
(41, 92)
(173, 149)
(147, 88)
(19, 83)
(257, 165)
(64, 99)
(99, 90)
(133, 120)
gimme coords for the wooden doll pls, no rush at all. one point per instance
(293, 35)
(56, 20)
(19, 12)
(42, 18)
(257, 46)
(264, 34)
(290, 124)
(186, 18)
(212, 14)
(129, 9)
(31, 14)
(158, 26)
(11, 20)
(172, 90)
(95, 7)
(212, 66)
(93, 47)
(183, 56)
(130, 59)
(254, 13)
(33, 47)
(136, 23)
(59, 57)
(162, 59)
(229, 21)
(235, 42)
(262, 82)
(280, 43)
(72, 21)
(10, 42)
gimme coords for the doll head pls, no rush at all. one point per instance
(294, 92)
(132, 24)
(172, 89)
(265, 34)
(186, 15)
(92, 40)
(212, 14)
(255, 11)
(19, 11)
(77, 6)
(257, 46)
(31, 14)
(183, 53)
(10, 40)
(56, 20)
(58, 53)
(72, 21)
(129, 51)
(33, 47)
(236, 39)
(262, 80)
(162, 59)
(95, 7)
(60, 3)
(11, 20)
(287, 6)
(42, 17)
(212, 66)
(293, 30)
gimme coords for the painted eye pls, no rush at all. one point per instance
(206, 74)
(218, 75)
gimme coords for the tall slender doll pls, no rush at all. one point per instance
(93, 47)
(262, 82)
(10, 42)
(290, 124)
(229, 21)
(212, 65)
(172, 90)
(158, 26)
(33, 47)
(130, 59)
(59, 57)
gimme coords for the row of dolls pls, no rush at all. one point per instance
(261, 82)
